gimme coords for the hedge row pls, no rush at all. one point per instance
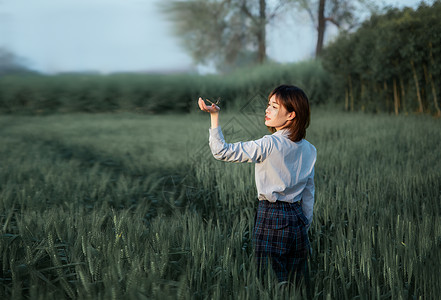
(38, 94)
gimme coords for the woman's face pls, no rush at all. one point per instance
(276, 115)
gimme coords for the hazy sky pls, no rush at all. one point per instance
(121, 35)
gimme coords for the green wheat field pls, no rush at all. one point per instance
(131, 206)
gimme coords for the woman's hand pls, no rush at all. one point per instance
(211, 109)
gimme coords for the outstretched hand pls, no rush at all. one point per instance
(213, 108)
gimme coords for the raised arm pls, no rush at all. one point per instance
(252, 151)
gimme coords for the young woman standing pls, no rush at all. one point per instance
(284, 174)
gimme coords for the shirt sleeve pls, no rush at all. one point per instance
(252, 151)
(308, 199)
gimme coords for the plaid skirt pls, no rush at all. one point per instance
(280, 236)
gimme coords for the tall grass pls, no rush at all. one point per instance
(112, 206)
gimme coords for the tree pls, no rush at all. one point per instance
(341, 13)
(391, 62)
(226, 32)
(10, 63)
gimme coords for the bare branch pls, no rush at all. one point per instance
(247, 12)
(333, 21)
(306, 5)
(281, 4)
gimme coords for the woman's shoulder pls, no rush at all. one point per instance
(303, 145)
(308, 143)
(310, 148)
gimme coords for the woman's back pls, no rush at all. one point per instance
(284, 173)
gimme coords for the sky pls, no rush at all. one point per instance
(106, 36)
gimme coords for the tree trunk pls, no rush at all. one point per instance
(362, 97)
(321, 27)
(362, 90)
(429, 79)
(346, 100)
(417, 86)
(396, 99)
(261, 35)
(435, 100)
(351, 94)
(403, 93)
(387, 96)
(379, 94)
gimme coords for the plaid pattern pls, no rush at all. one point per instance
(280, 235)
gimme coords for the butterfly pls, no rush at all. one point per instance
(217, 101)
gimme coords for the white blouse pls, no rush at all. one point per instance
(284, 170)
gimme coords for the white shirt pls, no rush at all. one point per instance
(284, 170)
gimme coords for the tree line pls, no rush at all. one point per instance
(391, 63)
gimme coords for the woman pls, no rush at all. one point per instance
(284, 174)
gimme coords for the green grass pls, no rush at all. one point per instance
(102, 206)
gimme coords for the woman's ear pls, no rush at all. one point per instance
(291, 115)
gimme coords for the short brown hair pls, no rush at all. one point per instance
(293, 99)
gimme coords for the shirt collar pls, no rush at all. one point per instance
(282, 131)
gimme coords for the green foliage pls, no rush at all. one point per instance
(215, 31)
(391, 63)
(153, 93)
(128, 206)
